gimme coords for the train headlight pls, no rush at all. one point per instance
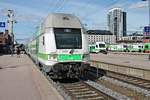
(53, 56)
(86, 56)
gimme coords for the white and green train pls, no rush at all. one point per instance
(60, 47)
(97, 47)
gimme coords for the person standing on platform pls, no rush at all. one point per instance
(12, 50)
(18, 52)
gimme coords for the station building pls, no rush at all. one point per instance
(5, 42)
(101, 36)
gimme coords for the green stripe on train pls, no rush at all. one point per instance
(43, 56)
(62, 57)
(32, 46)
(73, 57)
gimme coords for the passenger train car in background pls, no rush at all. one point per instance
(126, 47)
(147, 47)
(116, 47)
(60, 47)
(135, 48)
(98, 47)
(92, 48)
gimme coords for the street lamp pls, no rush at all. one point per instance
(148, 8)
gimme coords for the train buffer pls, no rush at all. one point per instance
(21, 80)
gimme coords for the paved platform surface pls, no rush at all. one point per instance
(21, 80)
(135, 61)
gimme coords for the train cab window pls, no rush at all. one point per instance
(68, 38)
(101, 45)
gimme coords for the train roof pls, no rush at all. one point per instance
(61, 20)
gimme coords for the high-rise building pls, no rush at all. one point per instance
(117, 22)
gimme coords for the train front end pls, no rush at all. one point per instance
(70, 53)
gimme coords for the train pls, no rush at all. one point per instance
(141, 47)
(60, 47)
(147, 47)
(126, 47)
(98, 47)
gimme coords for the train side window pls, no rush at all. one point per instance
(43, 40)
(146, 46)
(96, 46)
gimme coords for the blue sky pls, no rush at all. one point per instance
(30, 13)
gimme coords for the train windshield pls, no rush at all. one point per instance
(68, 38)
(101, 45)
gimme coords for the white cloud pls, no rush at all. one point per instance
(140, 4)
(120, 3)
(88, 12)
(22, 13)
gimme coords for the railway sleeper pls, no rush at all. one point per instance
(85, 89)
(86, 95)
(94, 98)
(83, 92)
(82, 87)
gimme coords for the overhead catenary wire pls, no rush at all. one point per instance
(62, 5)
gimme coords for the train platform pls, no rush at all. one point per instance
(131, 65)
(21, 80)
(135, 61)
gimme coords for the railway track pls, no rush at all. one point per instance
(132, 80)
(78, 90)
(131, 53)
(104, 88)
(83, 91)
(128, 90)
(134, 88)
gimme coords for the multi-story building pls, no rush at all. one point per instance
(131, 39)
(117, 22)
(101, 36)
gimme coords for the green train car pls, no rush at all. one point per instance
(135, 48)
(147, 47)
(116, 48)
(98, 47)
(92, 49)
(126, 47)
